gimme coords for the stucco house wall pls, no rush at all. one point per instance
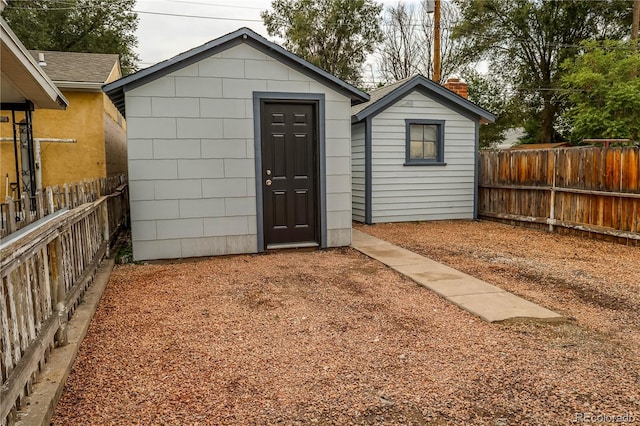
(65, 162)
(85, 141)
(115, 133)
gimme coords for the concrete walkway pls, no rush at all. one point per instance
(487, 301)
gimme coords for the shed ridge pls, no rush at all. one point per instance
(382, 98)
(116, 89)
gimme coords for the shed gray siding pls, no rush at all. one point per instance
(358, 171)
(413, 193)
(192, 159)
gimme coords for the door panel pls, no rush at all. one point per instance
(289, 167)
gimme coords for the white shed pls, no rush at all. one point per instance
(236, 146)
(414, 152)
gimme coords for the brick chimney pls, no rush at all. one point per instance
(457, 86)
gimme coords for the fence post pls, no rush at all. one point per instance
(552, 199)
(11, 215)
(59, 292)
(39, 205)
(82, 196)
(104, 218)
(58, 199)
(67, 203)
(50, 205)
(26, 209)
(74, 195)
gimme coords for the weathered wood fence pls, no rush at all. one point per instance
(592, 191)
(16, 214)
(45, 269)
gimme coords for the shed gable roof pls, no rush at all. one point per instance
(77, 66)
(116, 89)
(386, 96)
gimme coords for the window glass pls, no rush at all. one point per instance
(430, 151)
(416, 132)
(430, 133)
(423, 141)
(416, 150)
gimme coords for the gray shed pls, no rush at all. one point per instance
(236, 146)
(414, 150)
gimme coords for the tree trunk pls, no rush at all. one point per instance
(547, 119)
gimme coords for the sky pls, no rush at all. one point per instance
(161, 37)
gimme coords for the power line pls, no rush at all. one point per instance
(215, 4)
(144, 12)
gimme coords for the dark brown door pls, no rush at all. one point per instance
(289, 172)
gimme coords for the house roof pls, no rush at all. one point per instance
(22, 79)
(379, 93)
(386, 96)
(76, 69)
(116, 89)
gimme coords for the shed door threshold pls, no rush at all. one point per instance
(292, 245)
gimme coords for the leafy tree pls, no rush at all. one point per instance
(529, 39)
(494, 96)
(335, 35)
(96, 26)
(407, 46)
(603, 86)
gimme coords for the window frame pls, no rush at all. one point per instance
(439, 160)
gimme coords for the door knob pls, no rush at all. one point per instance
(268, 182)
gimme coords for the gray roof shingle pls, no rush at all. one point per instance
(75, 66)
(379, 93)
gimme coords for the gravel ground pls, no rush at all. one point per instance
(333, 337)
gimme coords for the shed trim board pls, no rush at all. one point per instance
(476, 176)
(439, 161)
(311, 98)
(368, 172)
(116, 89)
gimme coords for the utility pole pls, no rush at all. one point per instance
(436, 40)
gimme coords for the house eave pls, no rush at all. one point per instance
(23, 73)
(79, 86)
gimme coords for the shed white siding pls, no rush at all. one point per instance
(413, 193)
(192, 159)
(358, 171)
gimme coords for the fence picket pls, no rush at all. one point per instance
(5, 363)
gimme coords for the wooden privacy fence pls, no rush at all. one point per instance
(588, 190)
(44, 271)
(16, 214)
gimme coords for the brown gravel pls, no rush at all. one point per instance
(332, 337)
